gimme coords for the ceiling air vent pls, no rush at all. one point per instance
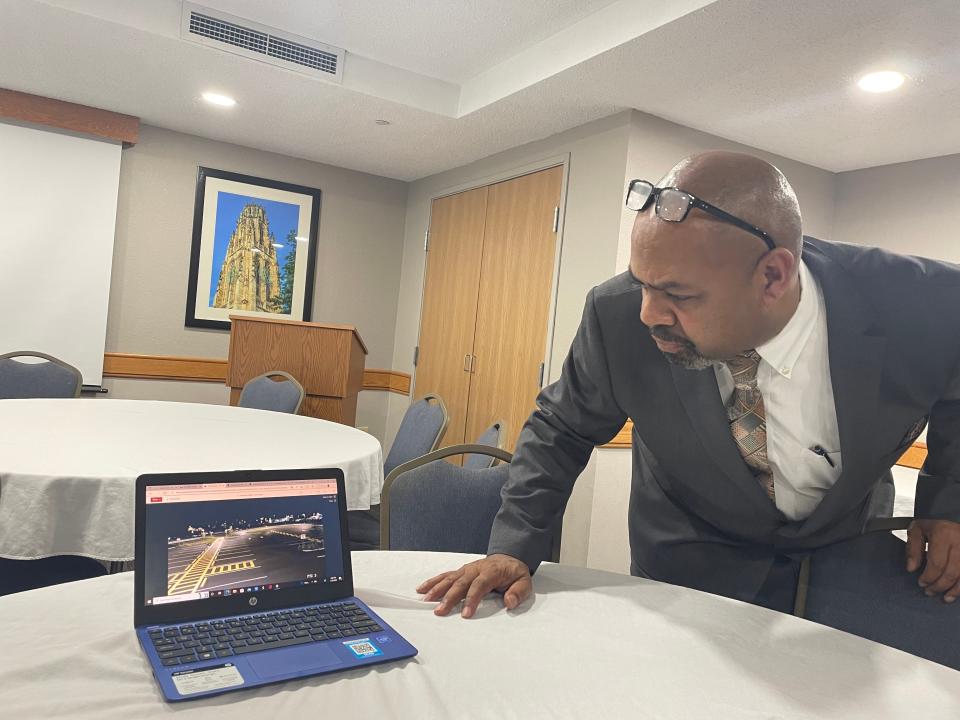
(243, 37)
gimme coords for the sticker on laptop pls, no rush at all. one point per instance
(363, 648)
(191, 682)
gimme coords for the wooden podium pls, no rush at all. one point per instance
(326, 359)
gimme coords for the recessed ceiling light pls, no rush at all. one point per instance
(382, 122)
(217, 99)
(878, 82)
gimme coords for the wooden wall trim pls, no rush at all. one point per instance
(400, 382)
(912, 458)
(164, 367)
(69, 116)
(391, 380)
(623, 438)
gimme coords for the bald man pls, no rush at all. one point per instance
(773, 380)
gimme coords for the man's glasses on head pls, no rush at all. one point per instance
(673, 205)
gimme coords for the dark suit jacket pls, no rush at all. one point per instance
(697, 516)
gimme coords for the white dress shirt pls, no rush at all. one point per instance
(794, 379)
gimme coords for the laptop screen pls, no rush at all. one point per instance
(211, 540)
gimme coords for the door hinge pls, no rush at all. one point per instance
(426, 241)
(540, 381)
(556, 218)
(416, 355)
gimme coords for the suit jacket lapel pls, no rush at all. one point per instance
(856, 350)
(701, 400)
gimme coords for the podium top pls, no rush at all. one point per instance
(327, 326)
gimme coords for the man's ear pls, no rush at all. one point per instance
(779, 267)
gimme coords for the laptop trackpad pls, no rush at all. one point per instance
(311, 657)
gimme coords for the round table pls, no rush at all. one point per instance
(67, 467)
(590, 644)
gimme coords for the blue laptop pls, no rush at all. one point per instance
(244, 579)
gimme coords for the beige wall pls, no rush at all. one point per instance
(359, 249)
(656, 145)
(595, 245)
(911, 208)
(371, 259)
(596, 154)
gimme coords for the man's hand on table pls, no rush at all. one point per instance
(473, 581)
(939, 541)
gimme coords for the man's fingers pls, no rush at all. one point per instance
(949, 578)
(441, 588)
(427, 584)
(949, 574)
(474, 580)
(456, 593)
(518, 592)
(478, 590)
(952, 594)
(916, 542)
(938, 554)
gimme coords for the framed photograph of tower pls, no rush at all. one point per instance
(254, 249)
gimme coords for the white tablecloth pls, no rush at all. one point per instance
(67, 467)
(591, 645)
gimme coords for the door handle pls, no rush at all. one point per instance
(473, 364)
(466, 363)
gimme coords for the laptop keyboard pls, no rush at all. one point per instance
(193, 642)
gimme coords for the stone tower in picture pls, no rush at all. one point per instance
(250, 276)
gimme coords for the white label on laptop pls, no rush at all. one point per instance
(191, 682)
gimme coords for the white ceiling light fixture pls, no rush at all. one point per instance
(880, 82)
(218, 99)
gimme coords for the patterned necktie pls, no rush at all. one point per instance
(748, 420)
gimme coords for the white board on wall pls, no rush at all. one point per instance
(58, 211)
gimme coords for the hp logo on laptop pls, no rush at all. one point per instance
(252, 601)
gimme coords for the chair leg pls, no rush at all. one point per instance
(803, 585)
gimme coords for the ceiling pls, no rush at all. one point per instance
(461, 80)
(404, 34)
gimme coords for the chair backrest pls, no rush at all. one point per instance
(438, 506)
(262, 393)
(420, 431)
(427, 504)
(51, 378)
(492, 437)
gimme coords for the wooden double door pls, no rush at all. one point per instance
(491, 255)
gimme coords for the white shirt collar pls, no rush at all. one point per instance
(782, 351)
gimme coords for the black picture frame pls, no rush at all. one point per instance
(202, 255)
